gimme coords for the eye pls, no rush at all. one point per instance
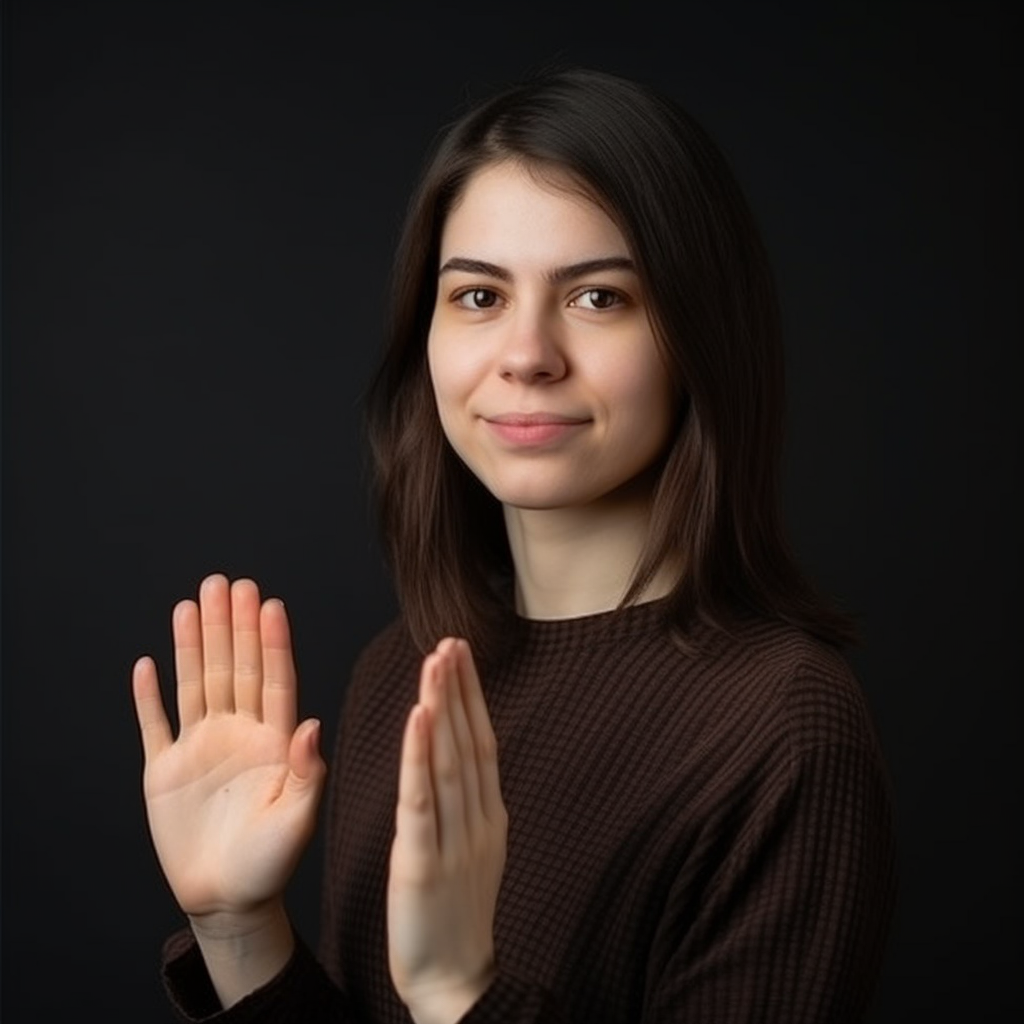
(477, 298)
(597, 298)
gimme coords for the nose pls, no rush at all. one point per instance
(532, 352)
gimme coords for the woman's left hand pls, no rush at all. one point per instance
(449, 849)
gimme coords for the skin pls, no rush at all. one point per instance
(231, 801)
(538, 310)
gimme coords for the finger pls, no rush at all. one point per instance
(149, 709)
(218, 669)
(448, 653)
(445, 763)
(188, 663)
(415, 820)
(246, 648)
(307, 769)
(485, 742)
(447, 665)
(279, 681)
(426, 671)
(304, 758)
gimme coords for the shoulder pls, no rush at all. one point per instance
(806, 688)
(392, 641)
(386, 666)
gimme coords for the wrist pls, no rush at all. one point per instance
(447, 1004)
(243, 951)
(229, 926)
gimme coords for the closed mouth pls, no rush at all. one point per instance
(534, 419)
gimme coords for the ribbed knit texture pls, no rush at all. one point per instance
(694, 838)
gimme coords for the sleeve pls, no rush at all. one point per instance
(301, 994)
(795, 884)
(793, 925)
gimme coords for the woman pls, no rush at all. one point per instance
(642, 784)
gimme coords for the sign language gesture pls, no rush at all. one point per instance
(449, 848)
(231, 800)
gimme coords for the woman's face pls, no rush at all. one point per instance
(548, 379)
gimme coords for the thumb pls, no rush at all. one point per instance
(306, 767)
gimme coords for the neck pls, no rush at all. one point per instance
(580, 561)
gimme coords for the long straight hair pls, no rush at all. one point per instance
(714, 310)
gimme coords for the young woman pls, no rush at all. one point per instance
(609, 765)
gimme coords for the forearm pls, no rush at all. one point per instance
(243, 953)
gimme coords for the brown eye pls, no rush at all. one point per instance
(597, 298)
(478, 298)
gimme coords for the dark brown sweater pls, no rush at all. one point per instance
(694, 838)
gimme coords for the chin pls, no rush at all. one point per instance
(534, 493)
(540, 505)
(542, 499)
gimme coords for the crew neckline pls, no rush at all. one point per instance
(595, 628)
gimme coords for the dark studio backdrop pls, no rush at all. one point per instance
(200, 205)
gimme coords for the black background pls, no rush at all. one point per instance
(200, 203)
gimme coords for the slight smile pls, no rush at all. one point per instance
(533, 428)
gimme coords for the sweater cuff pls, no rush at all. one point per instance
(300, 983)
(511, 1000)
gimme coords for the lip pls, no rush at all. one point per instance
(533, 428)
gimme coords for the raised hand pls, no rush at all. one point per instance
(448, 854)
(231, 800)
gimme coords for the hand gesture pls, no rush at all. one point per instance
(449, 849)
(232, 800)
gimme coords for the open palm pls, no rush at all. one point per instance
(231, 800)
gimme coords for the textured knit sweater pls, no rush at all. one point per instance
(693, 837)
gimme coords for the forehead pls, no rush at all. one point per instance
(510, 212)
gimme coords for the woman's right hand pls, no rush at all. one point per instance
(232, 800)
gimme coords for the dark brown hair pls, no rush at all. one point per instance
(714, 310)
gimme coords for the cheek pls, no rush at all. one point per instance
(644, 388)
(439, 367)
(449, 379)
(455, 369)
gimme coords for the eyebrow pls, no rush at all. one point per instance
(558, 275)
